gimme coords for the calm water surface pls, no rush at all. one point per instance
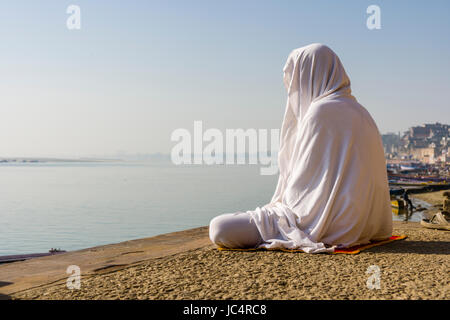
(78, 205)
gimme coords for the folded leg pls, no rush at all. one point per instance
(234, 230)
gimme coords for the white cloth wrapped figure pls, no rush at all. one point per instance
(332, 190)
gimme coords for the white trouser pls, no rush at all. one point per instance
(234, 230)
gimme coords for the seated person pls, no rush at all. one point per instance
(332, 189)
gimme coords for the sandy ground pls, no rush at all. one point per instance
(415, 268)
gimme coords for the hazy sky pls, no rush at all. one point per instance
(137, 70)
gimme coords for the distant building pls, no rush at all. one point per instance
(391, 142)
(428, 143)
(426, 155)
(419, 133)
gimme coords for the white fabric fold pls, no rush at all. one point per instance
(332, 189)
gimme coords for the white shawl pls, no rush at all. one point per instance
(332, 189)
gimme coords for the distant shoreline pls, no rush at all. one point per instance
(45, 160)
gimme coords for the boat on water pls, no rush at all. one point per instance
(399, 211)
(417, 180)
(398, 187)
(417, 183)
(398, 203)
(424, 178)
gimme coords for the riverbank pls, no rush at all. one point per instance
(186, 266)
(433, 198)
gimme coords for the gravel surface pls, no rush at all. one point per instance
(415, 268)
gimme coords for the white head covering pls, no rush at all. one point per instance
(332, 189)
(311, 73)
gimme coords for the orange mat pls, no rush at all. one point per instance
(351, 250)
